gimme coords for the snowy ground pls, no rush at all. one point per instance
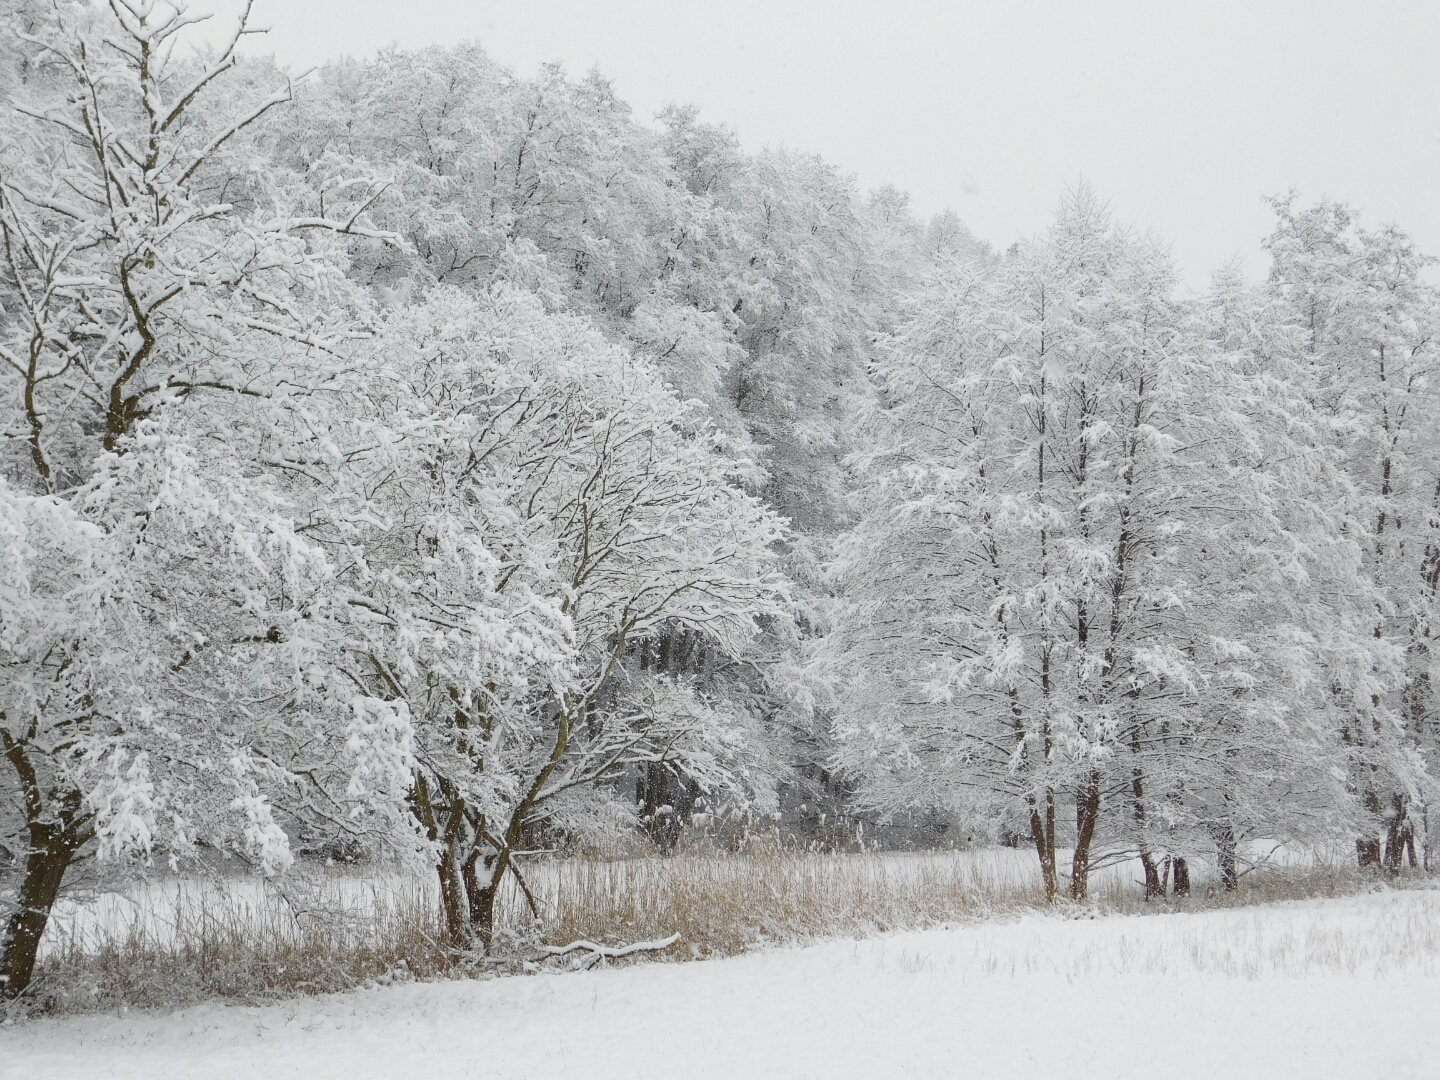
(1343, 988)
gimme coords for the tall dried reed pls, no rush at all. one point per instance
(182, 941)
(178, 941)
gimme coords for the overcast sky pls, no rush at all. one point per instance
(1183, 114)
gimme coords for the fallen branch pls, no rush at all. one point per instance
(609, 952)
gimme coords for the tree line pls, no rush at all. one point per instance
(424, 460)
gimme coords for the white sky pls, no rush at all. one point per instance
(1182, 114)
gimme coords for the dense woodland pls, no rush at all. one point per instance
(428, 464)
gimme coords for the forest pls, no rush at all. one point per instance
(416, 464)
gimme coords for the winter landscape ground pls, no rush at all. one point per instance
(496, 583)
(1342, 988)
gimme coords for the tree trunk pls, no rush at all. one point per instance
(45, 868)
(1042, 831)
(1087, 816)
(1182, 876)
(1226, 850)
(471, 880)
(1397, 830)
(1368, 849)
(449, 866)
(1425, 826)
(1367, 852)
(1154, 884)
(55, 835)
(666, 800)
(482, 900)
(452, 899)
(482, 914)
(482, 892)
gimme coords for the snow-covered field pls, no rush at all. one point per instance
(1317, 989)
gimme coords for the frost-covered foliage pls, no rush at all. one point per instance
(312, 535)
(512, 502)
(1124, 572)
(1363, 324)
(419, 460)
(164, 621)
(753, 283)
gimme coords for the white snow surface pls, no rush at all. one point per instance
(1318, 989)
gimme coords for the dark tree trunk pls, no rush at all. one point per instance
(483, 900)
(482, 892)
(446, 828)
(1368, 849)
(471, 881)
(45, 868)
(665, 796)
(55, 835)
(482, 914)
(1154, 883)
(1154, 880)
(452, 899)
(1181, 870)
(1087, 817)
(1042, 831)
(1367, 852)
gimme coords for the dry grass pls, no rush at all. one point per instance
(182, 941)
(185, 941)
(724, 905)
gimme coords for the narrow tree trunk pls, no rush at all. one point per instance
(471, 881)
(1042, 831)
(482, 891)
(1395, 833)
(44, 871)
(449, 867)
(55, 834)
(1226, 851)
(452, 899)
(1368, 849)
(1425, 826)
(1154, 882)
(660, 795)
(1182, 876)
(1087, 816)
(483, 900)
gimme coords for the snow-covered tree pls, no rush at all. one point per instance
(1365, 325)
(791, 266)
(545, 182)
(1086, 575)
(512, 504)
(164, 623)
(745, 280)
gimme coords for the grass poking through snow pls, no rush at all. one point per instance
(176, 941)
